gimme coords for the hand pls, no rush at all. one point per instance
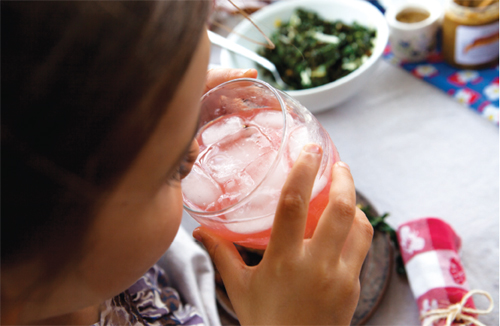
(218, 76)
(300, 281)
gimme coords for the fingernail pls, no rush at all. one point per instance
(343, 165)
(246, 71)
(312, 148)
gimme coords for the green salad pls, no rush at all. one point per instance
(311, 51)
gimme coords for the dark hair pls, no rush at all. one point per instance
(80, 97)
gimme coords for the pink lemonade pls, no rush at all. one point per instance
(241, 169)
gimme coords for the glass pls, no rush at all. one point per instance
(250, 134)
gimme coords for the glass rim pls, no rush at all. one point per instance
(213, 215)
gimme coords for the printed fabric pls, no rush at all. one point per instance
(150, 301)
(430, 251)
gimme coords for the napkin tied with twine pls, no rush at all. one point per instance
(430, 251)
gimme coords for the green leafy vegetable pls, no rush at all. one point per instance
(311, 51)
(378, 223)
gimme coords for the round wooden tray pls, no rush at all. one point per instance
(374, 278)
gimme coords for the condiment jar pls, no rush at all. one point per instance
(413, 26)
(470, 33)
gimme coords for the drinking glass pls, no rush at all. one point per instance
(250, 134)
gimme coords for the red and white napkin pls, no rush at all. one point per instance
(430, 251)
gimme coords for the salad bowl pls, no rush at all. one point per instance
(327, 96)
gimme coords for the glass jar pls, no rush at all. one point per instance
(470, 33)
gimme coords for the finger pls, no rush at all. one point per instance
(218, 76)
(288, 229)
(358, 241)
(337, 218)
(225, 257)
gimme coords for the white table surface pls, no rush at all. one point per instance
(416, 152)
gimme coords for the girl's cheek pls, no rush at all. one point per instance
(172, 204)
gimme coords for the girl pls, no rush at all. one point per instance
(100, 103)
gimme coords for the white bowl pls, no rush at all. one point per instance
(327, 96)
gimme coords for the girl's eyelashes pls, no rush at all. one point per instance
(185, 165)
(175, 177)
(180, 173)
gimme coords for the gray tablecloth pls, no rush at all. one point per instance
(416, 152)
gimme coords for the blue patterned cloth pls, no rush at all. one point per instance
(476, 89)
(150, 301)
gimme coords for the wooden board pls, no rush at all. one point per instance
(374, 278)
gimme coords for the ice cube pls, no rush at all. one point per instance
(199, 189)
(272, 119)
(222, 167)
(297, 140)
(258, 169)
(271, 122)
(277, 177)
(242, 183)
(239, 186)
(247, 147)
(235, 153)
(255, 216)
(221, 129)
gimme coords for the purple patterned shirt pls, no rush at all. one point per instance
(150, 301)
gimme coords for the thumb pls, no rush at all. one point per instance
(225, 256)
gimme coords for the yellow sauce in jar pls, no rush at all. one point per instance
(412, 15)
(470, 33)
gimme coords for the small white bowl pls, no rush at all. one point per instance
(413, 42)
(327, 96)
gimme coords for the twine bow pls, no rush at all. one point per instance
(456, 312)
